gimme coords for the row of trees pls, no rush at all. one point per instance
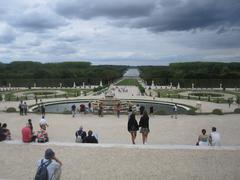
(21, 73)
(202, 74)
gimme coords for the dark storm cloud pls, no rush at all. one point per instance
(189, 15)
(158, 15)
(38, 19)
(86, 9)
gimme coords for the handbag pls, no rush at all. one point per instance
(78, 139)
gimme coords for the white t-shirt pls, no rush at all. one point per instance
(52, 168)
(43, 121)
(175, 108)
(216, 139)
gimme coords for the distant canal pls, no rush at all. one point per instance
(133, 72)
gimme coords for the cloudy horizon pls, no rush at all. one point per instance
(136, 32)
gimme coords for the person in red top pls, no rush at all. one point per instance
(27, 134)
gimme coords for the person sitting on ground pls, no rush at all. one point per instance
(42, 136)
(52, 163)
(80, 135)
(6, 132)
(27, 134)
(43, 123)
(202, 139)
(31, 127)
(90, 138)
(214, 138)
(30, 124)
(2, 134)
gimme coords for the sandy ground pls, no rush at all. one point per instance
(110, 129)
(94, 162)
(18, 162)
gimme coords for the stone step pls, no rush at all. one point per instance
(129, 146)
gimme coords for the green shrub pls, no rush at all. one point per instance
(11, 109)
(191, 112)
(237, 110)
(99, 88)
(217, 112)
(141, 89)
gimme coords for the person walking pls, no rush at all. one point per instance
(133, 127)
(25, 108)
(175, 111)
(89, 107)
(144, 124)
(73, 108)
(118, 109)
(20, 106)
(151, 110)
(43, 109)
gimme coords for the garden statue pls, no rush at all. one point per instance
(178, 86)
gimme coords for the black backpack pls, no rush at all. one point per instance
(42, 172)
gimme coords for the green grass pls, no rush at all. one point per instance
(9, 96)
(128, 82)
(166, 93)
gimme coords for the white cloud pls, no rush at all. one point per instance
(130, 32)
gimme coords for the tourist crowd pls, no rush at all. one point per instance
(52, 164)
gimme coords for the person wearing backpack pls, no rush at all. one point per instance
(48, 168)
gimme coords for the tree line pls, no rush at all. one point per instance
(25, 73)
(202, 74)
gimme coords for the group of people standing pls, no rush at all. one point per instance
(133, 126)
(82, 109)
(23, 108)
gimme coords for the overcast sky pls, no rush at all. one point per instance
(130, 32)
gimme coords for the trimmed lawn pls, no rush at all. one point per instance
(128, 82)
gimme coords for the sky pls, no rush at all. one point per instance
(126, 32)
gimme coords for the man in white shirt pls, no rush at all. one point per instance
(214, 138)
(53, 165)
(43, 123)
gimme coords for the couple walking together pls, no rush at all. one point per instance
(133, 126)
